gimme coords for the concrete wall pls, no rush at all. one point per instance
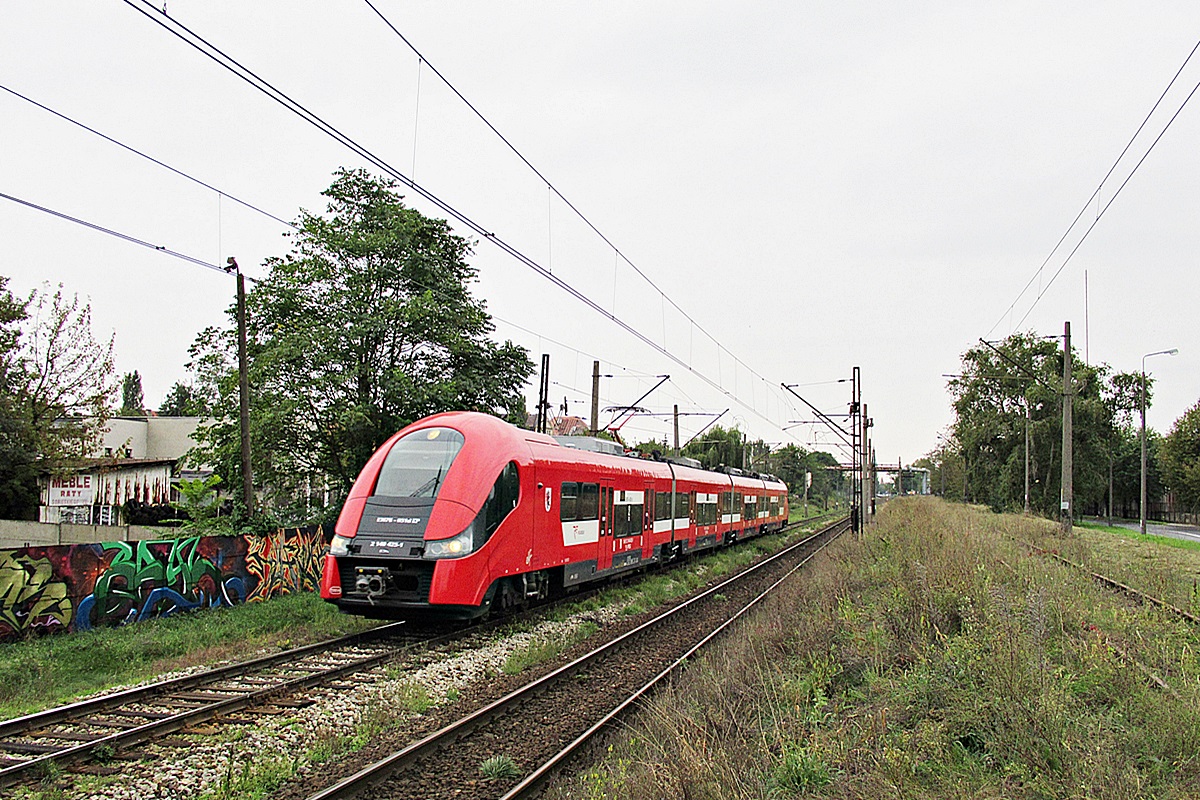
(148, 437)
(59, 588)
(17, 533)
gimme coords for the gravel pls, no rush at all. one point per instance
(207, 761)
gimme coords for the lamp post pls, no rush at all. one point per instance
(1142, 404)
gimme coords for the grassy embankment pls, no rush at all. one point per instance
(47, 671)
(43, 672)
(935, 657)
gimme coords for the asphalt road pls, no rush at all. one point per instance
(1172, 529)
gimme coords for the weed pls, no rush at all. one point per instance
(801, 770)
(415, 697)
(104, 753)
(499, 768)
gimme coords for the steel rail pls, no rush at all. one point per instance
(411, 753)
(191, 716)
(1115, 584)
(40, 719)
(533, 783)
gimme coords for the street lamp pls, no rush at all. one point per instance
(1142, 404)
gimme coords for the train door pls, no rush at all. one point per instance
(647, 537)
(604, 556)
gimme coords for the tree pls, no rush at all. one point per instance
(1180, 453)
(1023, 375)
(720, 447)
(55, 390)
(132, 398)
(18, 473)
(366, 325)
(70, 377)
(183, 401)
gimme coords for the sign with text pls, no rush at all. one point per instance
(72, 490)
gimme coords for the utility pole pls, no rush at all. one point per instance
(231, 265)
(1066, 504)
(543, 394)
(595, 397)
(864, 489)
(676, 429)
(1026, 456)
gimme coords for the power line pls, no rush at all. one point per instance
(206, 48)
(111, 232)
(1087, 204)
(422, 60)
(150, 158)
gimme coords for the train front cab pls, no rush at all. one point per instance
(436, 515)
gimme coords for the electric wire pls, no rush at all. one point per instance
(117, 234)
(201, 45)
(1087, 204)
(150, 158)
(1109, 204)
(423, 60)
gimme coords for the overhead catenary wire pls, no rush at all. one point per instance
(110, 232)
(201, 45)
(1042, 289)
(423, 60)
(148, 157)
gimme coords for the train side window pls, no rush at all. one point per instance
(506, 491)
(682, 504)
(568, 505)
(635, 519)
(589, 501)
(662, 505)
(620, 521)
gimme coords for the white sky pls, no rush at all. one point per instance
(818, 185)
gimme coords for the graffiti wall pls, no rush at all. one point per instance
(78, 587)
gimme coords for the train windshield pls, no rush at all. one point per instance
(417, 464)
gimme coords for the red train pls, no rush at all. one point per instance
(461, 512)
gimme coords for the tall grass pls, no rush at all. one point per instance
(933, 657)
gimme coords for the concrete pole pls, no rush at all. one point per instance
(1142, 495)
(1026, 456)
(1067, 498)
(676, 429)
(243, 390)
(595, 397)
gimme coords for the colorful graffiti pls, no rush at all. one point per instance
(285, 563)
(140, 584)
(80, 587)
(30, 598)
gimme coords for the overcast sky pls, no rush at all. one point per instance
(817, 185)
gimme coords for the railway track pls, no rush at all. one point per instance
(76, 732)
(541, 725)
(32, 745)
(1115, 584)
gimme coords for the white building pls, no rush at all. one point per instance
(138, 460)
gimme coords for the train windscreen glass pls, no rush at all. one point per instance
(417, 464)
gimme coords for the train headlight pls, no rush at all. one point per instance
(457, 547)
(340, 546)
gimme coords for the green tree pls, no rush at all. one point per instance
(56, 388)
(1180, 454)
(365, 326)
(1022, 375)
(133, 399)
(719, 447)
(183, 401)
(18, 471)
